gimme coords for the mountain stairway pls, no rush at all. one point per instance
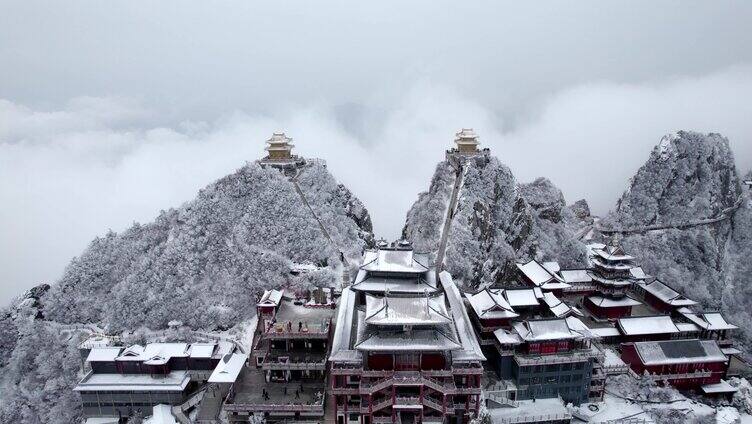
(449, 217)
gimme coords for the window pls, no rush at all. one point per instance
(578, 366)
(524, 381)
(566, 367)
(566, 378)
(552, 368)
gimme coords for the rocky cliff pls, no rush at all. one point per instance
(494, 223)
(689, 189)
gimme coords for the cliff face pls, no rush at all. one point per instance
(689, 182)
(204, 262)
(495, 222)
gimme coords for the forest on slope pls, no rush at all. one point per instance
(202, 264)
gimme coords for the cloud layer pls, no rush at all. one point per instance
(69, 174)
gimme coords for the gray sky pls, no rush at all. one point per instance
(111, 111)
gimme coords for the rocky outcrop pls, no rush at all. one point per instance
(495, 223)
(689, 178)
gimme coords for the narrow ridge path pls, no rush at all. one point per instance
(343, 258)
(449, 217)
(724, 215)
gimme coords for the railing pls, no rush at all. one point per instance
(681, 376)
(407, 401)
(320, 365)
(559, 358)
(615, 369)
(273, 334)
(466, 369)
(381, 405)
(433, 403)
(274, 407)
(533, 418)
(346, 391)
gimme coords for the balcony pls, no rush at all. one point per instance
(559, 358)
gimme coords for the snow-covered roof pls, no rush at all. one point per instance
(557, 307)
(413, 310)
(555, 285)
(687, 327)
(471, 350)
(343, 330)
(709, 320)
(506, 337)
(176, 381)
(613, 282)
(228, 368)
(271, 298)
(466, 136)
(279, 141)
(552, 266)
(103, 354)
(430, 339)
(490, 304)
(576, 325)
(605, 331)
(679, 352)
(541, 330)
(637, 326)
(367, 282)
(157, 353)
(535, 272)
(161, 414)
(721, 387)
(638, 273)
(615, 266)
(666, 294)
(608, 302)
(523, 297)
(390, 260)
(202, 350)
(575, 276)
(612, 253)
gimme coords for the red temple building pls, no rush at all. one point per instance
(685, 364)
(663, 298)
(403, 349)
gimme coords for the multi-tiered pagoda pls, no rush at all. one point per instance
(403, 349)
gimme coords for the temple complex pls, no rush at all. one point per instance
(403, 350)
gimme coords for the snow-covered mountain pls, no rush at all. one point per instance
(202, 264)
(495, 221)
(690, 190)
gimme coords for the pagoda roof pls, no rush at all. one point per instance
(666, 294)
(398, 261)
(368, 282)
(545, 329)
(612, 253)
(414, 310)
(709, 320)
(535, 272)
(575, 276)
(466, 136)
(431, 339)
(607, 302)
(491, 304)
(523, 297)
(556, 305)
(271, 298)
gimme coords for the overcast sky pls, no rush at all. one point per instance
(111, 111)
